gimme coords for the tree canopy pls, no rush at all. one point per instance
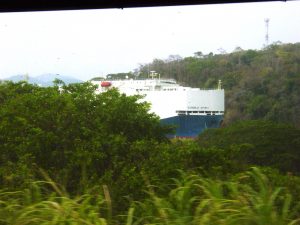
(69, 129)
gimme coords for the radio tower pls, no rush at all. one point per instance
(267, 20)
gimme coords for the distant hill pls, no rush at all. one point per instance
(44, 80)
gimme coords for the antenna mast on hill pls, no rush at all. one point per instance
(26, 77)
(267, 20)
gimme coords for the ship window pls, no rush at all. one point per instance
(181, 112)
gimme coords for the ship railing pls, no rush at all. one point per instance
(194, 112)
(144, 78)
(207, 89)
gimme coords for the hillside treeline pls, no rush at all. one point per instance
(259, 84)
(70, 156)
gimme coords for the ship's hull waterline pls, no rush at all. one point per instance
(190, 126)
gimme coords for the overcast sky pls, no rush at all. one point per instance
(88, 43)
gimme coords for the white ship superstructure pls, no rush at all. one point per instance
(174, 104)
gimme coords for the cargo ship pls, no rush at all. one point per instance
(190, 110)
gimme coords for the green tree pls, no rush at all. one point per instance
(71, 132)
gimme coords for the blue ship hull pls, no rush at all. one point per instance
(192, 125)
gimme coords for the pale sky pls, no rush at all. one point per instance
(89, 43)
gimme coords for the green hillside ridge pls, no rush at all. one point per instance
(259, 84)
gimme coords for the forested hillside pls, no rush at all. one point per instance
(259, 84)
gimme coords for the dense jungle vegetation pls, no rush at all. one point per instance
(69, 156)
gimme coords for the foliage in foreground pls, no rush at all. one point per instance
(247, 198)
(83, 140)
(257, 142)
(71, 132)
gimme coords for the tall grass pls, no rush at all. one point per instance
(36, 205)
(248, 199)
